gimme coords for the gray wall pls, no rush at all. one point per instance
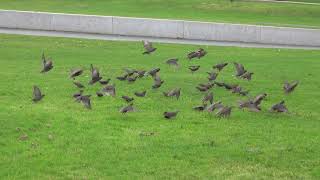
(159, 28)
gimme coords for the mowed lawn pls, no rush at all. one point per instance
(67, 141)
(265, 13)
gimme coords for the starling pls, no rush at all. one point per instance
(192, 55)
(140, 94)
(169, 115)
(212, 76)
(250, 105)
(202, 88)
(208, 97)
(122, 78)
(130, 72)
(220, 66)
(76, 72)
(95, 75)
(47, 64)
(288, 88)
(224, 111)
(141, 73)
(240, 69)
(78, 94)
(173, 92)
(201, 53)
(214, 106)
(219, 84)
(132, 79)
(148, 47)
(153, 72)
(127, 98)
(194, 68)
(104, 82)
(200, 108)
(126, 109)
(157, 83)
(257, 100)
(99, 94)
(78, 84)
(247, 76)
(110, 90)
(85, 100)
(173, 62)
(280, 107)
(37, 95)
(230, 86)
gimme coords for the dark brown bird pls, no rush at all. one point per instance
(47, 64)
(225, 111)
(78, 84)
(174, 92)
(201, 53)
(240, 69)
(78, 94)
(75, 72)
(99, 94)
(238, 90)
(249, 105)
(247, 76)
(173, 62)
(194, 68)
(148, 47)
(127, 98)
(258, 99)
(85, 100)
(141, 73)
(126, 109)
(208, 97)
(219, 84)
(104, 82)
(200, 107)
(280, 107)
(153, 72)
(157, 82)
(229, 86)
(170, 115)
(140, 94)
(132, 79)
(220, 66)
(37, 95)
(214, 106)
(288, 88)
(122, 78)
(95, 75)
(202, 88)
(212, 76)
(109, 90)
(192, 55)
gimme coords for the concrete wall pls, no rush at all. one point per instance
(159, 28)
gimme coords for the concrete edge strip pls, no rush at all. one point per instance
(159, 28)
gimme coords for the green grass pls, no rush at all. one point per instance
(101, 143)
(278, 14)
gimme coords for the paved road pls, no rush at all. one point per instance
(137, 38)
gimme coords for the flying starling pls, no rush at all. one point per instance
(104, 82)
(220, 66)
(47, 64)
(95, 75)
(214, 106)
(153, 72)
(280, 107)
(258, 99)
(288, 88)
(240, 69)
(110, 90)
(157, 82)
(200, 107)
(148, 47)
(37, 95)
(194, 68)
(212, 76)
(76, 72)
(173, 62)
(78, 84)
(250, 105)
(192, 55)
(208, 97)
(201, 53)
(174, 92)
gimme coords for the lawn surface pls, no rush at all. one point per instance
(101, 143)
(278, 14)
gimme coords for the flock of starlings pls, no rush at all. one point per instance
(131, 75)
